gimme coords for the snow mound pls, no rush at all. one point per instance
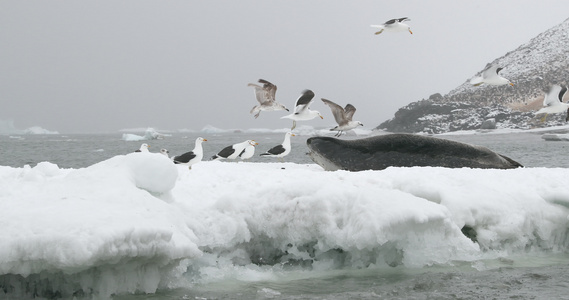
(152, 172)
(95, 230)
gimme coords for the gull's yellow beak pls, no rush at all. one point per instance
(292, 134)
(511, 84)
(205, 140)
(321, 117)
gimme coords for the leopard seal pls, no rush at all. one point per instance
(402, 150)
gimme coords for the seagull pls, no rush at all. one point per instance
(165, 152)
(343, 117)
(553, 102)
(248, 152)
(143, 148)
(266, 96)
(234, 151)
(192, 157)
(490, 76)
(302, 111)
(281, 150)
(393, 25)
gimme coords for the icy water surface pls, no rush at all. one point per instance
(77, 151)
(538, 277)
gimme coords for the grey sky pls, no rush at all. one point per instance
(101, 66)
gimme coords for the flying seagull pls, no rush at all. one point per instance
(302, 111)
(393, 25)
(281, 150)
(192, 157)
(266, 96)
(553, 102)
(490, 76)
(233, 151)
(343, 117)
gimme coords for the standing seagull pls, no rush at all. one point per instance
(281, 150)
(192, 157)
(343, 117)
(553, 102)
(266, 96)
(490, 76)
(143, 148)
(234, 151)
(393, 25)
(302, 111)
(248, 152)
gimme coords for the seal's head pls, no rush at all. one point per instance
(330, 153)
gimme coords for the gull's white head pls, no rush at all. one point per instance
(317, 114)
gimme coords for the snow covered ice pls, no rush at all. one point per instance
(137, 222)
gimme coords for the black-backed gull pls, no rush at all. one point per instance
(302, 111)
(490, 76)
(233, 151)
(393, 25)
(281, 150)
(192, 157)
(553, 102)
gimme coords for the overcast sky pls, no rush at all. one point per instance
(102, 66)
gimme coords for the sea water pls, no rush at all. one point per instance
(82, 150)
(535, 275)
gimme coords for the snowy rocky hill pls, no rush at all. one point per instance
(532, 67)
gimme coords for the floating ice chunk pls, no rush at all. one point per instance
(39, 130)
(213, 130)
(149, 134)
(555, 137)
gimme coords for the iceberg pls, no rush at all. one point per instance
(7, 127)
(209, 129)
(136, 223)
(149, 134)
(39, 130)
